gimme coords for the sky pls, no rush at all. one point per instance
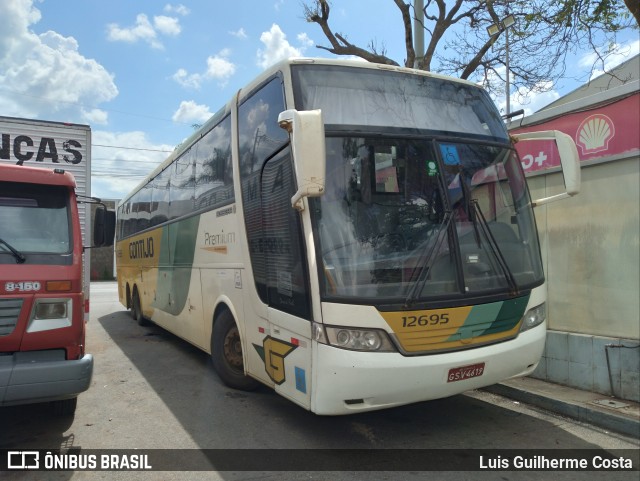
(141, 73)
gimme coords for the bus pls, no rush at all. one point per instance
(355, 236)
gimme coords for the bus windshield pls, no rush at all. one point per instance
(425, 198)
(34, 218)
(382, 98)
(419, 219)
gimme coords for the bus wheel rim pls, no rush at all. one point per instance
(233, 349)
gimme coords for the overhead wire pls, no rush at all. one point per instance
(131, 148)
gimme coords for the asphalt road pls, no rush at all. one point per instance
(151, 390)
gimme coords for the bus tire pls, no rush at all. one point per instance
(134, 313)
(136, 309)
(226, 354)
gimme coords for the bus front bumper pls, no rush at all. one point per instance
(348, 382)
(42, 376)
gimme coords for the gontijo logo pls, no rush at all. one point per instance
(141, 248)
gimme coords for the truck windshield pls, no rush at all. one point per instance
(419, 219)
(34, 218)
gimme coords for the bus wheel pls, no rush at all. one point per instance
(226, 354)
(136, 309)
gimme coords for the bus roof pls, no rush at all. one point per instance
(36, 175)
(282, 66)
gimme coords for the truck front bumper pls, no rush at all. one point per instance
(42, 376)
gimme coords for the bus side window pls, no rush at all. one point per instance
(160, 196)
(181, 184)
(213, 171)
(259, 138)
(285, 273)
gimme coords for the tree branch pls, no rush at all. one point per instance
(476, 61)
(339, 44)
(634, 8)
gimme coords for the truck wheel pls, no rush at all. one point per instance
(65, 407)
(136, 310)
(226, 354)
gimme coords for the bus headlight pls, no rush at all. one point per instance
(534, 317)
(370, 340)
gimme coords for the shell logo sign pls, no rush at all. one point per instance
(594, 134)
(602, 132)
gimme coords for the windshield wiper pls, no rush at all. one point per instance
(477, 217)
(20, 258)
(429, 258)
(466, 196)
(493, 245)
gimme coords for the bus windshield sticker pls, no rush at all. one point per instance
(284, 284)
(450, 154)
(432, 168)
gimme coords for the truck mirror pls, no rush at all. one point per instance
(306, 129)
(104, 227)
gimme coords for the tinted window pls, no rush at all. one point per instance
(142, 208)
(281, 245)
(182, 184)
(160, 206)
(362, 96)
(213, 168)
(260, 137)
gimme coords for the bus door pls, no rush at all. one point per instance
(278, 261)
(277, 325)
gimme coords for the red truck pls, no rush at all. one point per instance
(42, 325)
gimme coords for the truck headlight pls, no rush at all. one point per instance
(50, 314)
(534, 317)
(51, 310)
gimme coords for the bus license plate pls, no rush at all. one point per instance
(465, 372)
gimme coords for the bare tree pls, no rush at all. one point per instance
(458, 43)
(634, 9)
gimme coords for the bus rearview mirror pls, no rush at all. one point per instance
(306, 130)
(569, 160)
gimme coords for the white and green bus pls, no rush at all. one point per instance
(356, 236)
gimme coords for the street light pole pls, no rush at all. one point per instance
(418, 32)
(508, 92)
(493, 30)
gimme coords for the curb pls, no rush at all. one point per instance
(578, 411)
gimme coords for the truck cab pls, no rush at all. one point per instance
(43, 356)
